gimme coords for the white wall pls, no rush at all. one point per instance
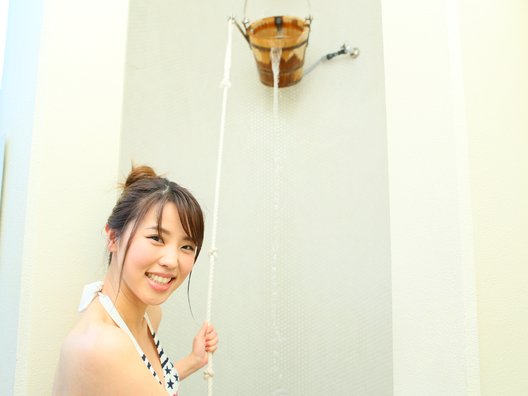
(317, 319)
(17, 104)
(495, 43)
(4, 7)
(435, 335)
(57, 201)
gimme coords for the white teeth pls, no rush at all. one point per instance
(159, 279)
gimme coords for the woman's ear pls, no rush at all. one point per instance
(112, 239)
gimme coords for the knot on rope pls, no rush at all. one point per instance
(225, 83)
(209, 373)
(213, 253)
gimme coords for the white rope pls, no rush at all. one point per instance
(225, 84)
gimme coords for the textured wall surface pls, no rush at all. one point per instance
(64, 109)
(17, 107)
(435, 339)
(302, 283)
(497, 103)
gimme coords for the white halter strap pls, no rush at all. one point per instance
(92, 290)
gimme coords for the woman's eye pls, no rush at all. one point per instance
(189, 248)
(156, 238)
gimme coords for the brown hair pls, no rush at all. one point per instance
(142, 190)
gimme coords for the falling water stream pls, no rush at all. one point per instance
(277, 336)
(275, 54)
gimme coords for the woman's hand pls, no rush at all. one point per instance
(205, 341)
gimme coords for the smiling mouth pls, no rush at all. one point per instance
(162, 280)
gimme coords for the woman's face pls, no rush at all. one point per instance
(156, 264)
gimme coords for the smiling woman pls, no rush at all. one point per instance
(155, 234)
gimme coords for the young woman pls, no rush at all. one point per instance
(155, 234)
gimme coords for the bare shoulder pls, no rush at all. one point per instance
(89, 356)
(101, 359)
(96, 343)
(154, 314)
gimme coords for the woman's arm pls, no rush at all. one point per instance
(205, 341)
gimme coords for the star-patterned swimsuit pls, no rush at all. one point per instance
(169, 371)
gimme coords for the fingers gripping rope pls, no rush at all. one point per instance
(225, 85)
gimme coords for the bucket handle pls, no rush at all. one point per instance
(246, 22)
(243, 31)
(309, 17)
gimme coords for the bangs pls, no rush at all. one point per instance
(189, 214)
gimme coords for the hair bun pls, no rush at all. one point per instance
(138, 173)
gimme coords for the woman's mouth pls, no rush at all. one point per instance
(161, 280)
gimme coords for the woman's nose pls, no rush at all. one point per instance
(169, 258)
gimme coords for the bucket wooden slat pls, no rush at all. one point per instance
(288, 33)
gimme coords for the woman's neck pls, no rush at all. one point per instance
(127, 304)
